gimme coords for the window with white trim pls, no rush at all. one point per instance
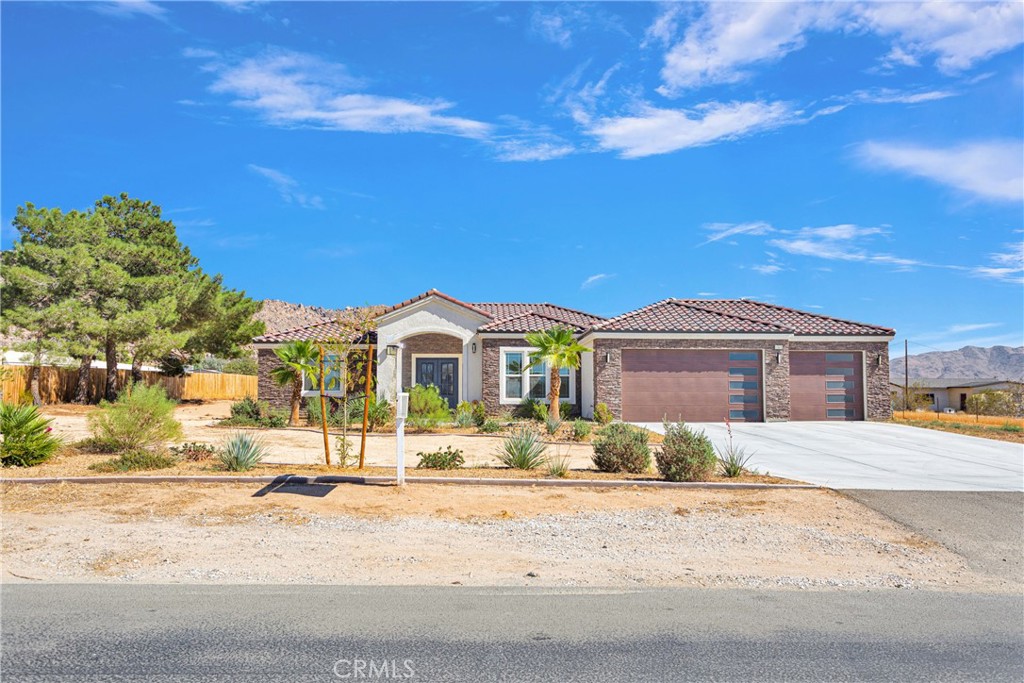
(518, 381)
(332, 380)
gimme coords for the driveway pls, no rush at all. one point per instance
(875, 455)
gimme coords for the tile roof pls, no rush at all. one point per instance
(326, 331)
(511, 317)
(441, 295)
(733, 315)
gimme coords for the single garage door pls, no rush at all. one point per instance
(826, 385)
(693, 386)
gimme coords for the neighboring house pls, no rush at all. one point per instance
(946, 394)
(696, 360)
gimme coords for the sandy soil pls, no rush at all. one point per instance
(437, 535)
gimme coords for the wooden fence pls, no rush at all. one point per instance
(57, 385)
(964, 418)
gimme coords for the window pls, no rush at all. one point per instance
(838, 385)
(838, 412)
(332, 381)
(839, 371)
(519, 381)
(744, 415)
(743, 371)
(838, 398)
(742, 385)
(744, 398)
(838, 357)
(743, 355)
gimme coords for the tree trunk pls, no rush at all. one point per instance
(554, 409)
(33, 385)
(137, 368)
(110, 391)
(293, 421)
(82, 385)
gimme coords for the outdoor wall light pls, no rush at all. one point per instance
(778, 357)
(392, 350)
(878, 360)
(473, 346)
(607, 356)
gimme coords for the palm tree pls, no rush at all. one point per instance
(557, 348)
(298, 360)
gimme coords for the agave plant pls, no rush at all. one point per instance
(242, 451)
(523, 449)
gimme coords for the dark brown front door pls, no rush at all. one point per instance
(692, 386)
(826, 385)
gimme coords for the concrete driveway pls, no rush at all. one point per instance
(875, 455)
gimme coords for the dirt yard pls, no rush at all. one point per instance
(439, 535)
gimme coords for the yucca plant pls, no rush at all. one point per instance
(552, 425)
(522, 449)
(28, 437)
(242, 451)
(557, 465)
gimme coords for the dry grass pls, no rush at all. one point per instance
(959, 418)
(967, 428)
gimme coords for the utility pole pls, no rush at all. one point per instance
(906, 376)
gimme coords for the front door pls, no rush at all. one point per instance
(443, 373)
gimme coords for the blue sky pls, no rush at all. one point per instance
(864, 161)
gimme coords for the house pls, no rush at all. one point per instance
(946, 394)
(695, 360)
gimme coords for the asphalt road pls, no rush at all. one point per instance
(324, 633)
(987, 528)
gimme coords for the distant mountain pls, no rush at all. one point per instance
(281, 315)
(970, 362)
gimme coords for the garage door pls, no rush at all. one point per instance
(826, 385)
(694, 386)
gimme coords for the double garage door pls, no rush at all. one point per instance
(712, 385)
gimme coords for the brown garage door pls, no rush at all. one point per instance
(826, 385)
(694, 386)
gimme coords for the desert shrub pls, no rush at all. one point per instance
(252, 413)
(564, 410)
(991, 402)
(1010, 427)
(685, 455)
(532, 409)
(345, 451)
(28, 438)
(522, 449)
(91, 444)
(464, 414)
(241, 366)
(241, 452)
(142, 418)
(732, 459)
(448, 459)
(380, 414)
(552, 426)
(557, 465)
(335, 415)
(193, 451)
(131, 461)
(479, 413)
(427, 409)
(621, 447)
(489, 426)
(602, 414)
(580, 430)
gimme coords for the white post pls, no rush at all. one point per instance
(401, 412)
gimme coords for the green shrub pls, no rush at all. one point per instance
(564, 410)
(193, 451)
(552, 425)
(142, 418)
(28, 438)
(91, 444)
(1010, 427)
(621, 447)
(557, 466)
(602, 414)
(448, 459)
(522, 449)
(241, 366)
(479, 413)
(732, 459)
(132, 461)
(345, 451)
(252, 413)
(580, 430)
(489, 426)
(427, 409)
(380, 415)
(685, 455)
(242, 452)
(464, 414)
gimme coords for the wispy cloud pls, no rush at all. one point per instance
(894, 96)
(551, 27)
(1005, 266)
(595, 280)
(527, 142)
(721, 231)
(288, 187)
(293, 89)
(991, 170)
(970, 327)
(658, 131)
(127, 9)
(767, 268)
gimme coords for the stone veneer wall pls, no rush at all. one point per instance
(876, 372)
(608, 373)
(425, 344)
(491, 385)
(266, 388)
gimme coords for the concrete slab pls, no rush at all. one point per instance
(875, 455)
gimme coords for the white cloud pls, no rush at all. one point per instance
(719, 231)
(767, 269)
(970, 327)
(843, 242)
(729, 38)
(1006, 266)
(288, 187)
(658, 131)
(551, 27)
(595, 280)
(293, 89)
(892, 96)
(126, 9)
(529, 142)
(991, 170)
